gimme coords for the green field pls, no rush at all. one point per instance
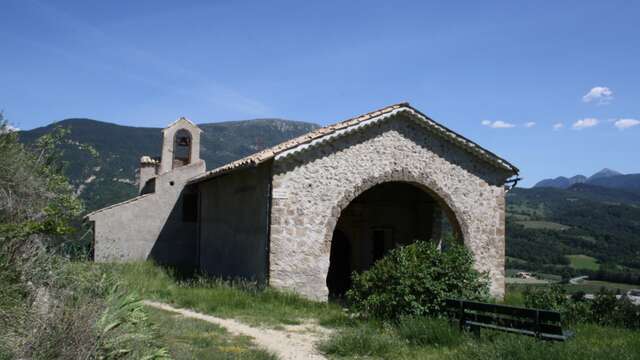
(583, 262)
(545, 225)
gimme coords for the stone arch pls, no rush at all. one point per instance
(371, 238)
(453, 213)
(182, 148)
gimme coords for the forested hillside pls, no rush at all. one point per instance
(110, 177)
(550, 228)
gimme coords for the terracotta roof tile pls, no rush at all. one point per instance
(270, 153)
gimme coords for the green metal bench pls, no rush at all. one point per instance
(542, 324)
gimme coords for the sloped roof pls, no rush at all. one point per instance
(347, 126)
(184, 120)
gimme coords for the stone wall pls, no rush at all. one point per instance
(149, 226)
(310, 189)
(234, 222)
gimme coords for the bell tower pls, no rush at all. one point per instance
(180, 145)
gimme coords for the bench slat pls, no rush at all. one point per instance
(514, 323)
(560, 337)
(545, 315)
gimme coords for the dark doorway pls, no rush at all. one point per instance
(387, 216)
(339, 276)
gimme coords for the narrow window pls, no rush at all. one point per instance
(190, 207)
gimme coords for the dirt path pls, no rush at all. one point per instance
(294, 342)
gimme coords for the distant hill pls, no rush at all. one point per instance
(546, 224)
(605, 178)
(112, 178)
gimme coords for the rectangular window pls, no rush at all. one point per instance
(190, 207)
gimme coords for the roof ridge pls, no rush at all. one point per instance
(272, 152)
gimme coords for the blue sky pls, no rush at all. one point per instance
(482, 68)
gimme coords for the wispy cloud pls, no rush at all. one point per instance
(602, 95)
(529, 124)
(171, 78)
(498, 124)
(626, 123)
(558, 126)
(585, 123)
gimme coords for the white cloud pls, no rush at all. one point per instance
(529, 124)
(558, 126)
(626, 123)
(585, 123)
(601, 94)
(498, 124)
(7, 128)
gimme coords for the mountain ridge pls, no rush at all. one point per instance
(605, 178)
(112, 177)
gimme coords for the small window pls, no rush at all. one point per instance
(190, 207)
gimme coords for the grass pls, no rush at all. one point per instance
(240, 300)
(194, 339)
(583, 262)
(446, 342)
(593, 286)
(409, 338)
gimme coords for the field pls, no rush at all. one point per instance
(583, 262)
(352, 338)
(545, 225)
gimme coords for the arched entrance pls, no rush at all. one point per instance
(384, 217)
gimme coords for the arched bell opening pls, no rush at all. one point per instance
(384, 217)
(182, 148)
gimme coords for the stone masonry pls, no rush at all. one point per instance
(311, 187)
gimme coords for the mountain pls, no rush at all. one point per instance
(562, 182)
(111, 177)
(605, 178)
(604, 173)
(545, 225)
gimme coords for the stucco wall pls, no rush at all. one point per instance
(312, 187)
(234, 224)
(149, 226)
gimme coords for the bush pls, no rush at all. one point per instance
(552, 297)
(415, 280)
(424, 331)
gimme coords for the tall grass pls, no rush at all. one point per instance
(237, 299)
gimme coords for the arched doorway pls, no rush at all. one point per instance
(384, 217)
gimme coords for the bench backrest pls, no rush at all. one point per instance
(535, 320)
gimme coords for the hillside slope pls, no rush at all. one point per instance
(544, 225)
(112, 176)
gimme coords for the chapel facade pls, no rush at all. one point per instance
(306, 213)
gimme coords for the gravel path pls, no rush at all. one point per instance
(294, 342)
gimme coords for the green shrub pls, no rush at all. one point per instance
(424, 331)
(415, 280)
(553, 297)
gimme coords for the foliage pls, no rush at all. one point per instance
(415, 280)
(47, 311)
(604, 309)
(553, 297)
